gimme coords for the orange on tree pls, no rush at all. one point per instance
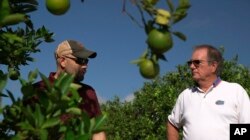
(13, 73)
(149, 69)
(57, 7)
(159, 41)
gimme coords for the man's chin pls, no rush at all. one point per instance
(79, 79)
(195, 78)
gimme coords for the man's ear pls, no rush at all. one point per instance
(62, 62)
(214, 64)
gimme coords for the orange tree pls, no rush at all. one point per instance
(145, 116)
(19, 121)
(158, 25)
(19, 39)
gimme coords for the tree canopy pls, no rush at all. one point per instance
(145, 116)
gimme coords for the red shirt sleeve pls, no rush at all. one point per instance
(90, 102)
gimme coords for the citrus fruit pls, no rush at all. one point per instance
(149, 69)
(13, 74)
(57, 7)
(159, 41)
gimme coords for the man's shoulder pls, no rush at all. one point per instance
(85, 86)
(187, 92)
(230, 84)
(190, 90)
(39, 84)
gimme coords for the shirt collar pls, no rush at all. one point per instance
(215, 83)
(52, 77)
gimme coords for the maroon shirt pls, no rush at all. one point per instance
(90, 102)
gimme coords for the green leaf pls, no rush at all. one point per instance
(162, 57)
(28, 91)
(86, 120)
(13, 19)
(149, 26)
(32, 75)
(50, 122)
(3, 95)
(22, 81)
(3, 80)
(74, 110)
(11, 96)
(178, 15)
(5, 9)
(62, 129)
(1, 109)
(57, 113)
(83, 137)
(145, 54)
(12, 37)
(137, 61)
(66, 83)
(33, 2)
(43, 133)
(38, 116)
(92, 125)
(181, 11)
(63, 83)
(170, 5)
(59, 80)
(154, 58)
(28, 114)
(26, 126)
(180, 35)
(30, 59)
(26, 8)
(184, 4)
(99, 122)
(46, 81)
(81, 128)
(75, 95)
(69, 135)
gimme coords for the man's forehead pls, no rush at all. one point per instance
(200, 53)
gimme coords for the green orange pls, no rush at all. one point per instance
(159, 41)
(13, 74)
(58, 7)
(149, 69)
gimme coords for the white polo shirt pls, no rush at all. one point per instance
(207, 116)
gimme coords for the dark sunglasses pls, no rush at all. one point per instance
(195, 62)
(80, 61)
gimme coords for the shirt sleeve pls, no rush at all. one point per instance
(244, 105)
(175, 118)
(90, 102)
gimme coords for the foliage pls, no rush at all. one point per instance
(161, 20)
(18, 42)
(234, 72)
(55, 116)
(145, 117)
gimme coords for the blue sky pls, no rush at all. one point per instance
(101, 26)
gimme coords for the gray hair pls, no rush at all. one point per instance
(213, 54)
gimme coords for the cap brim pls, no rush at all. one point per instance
(85, 54)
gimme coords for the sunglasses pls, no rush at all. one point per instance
(195, 62)
(80, 61)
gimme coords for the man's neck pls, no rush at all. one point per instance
(206, 84)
